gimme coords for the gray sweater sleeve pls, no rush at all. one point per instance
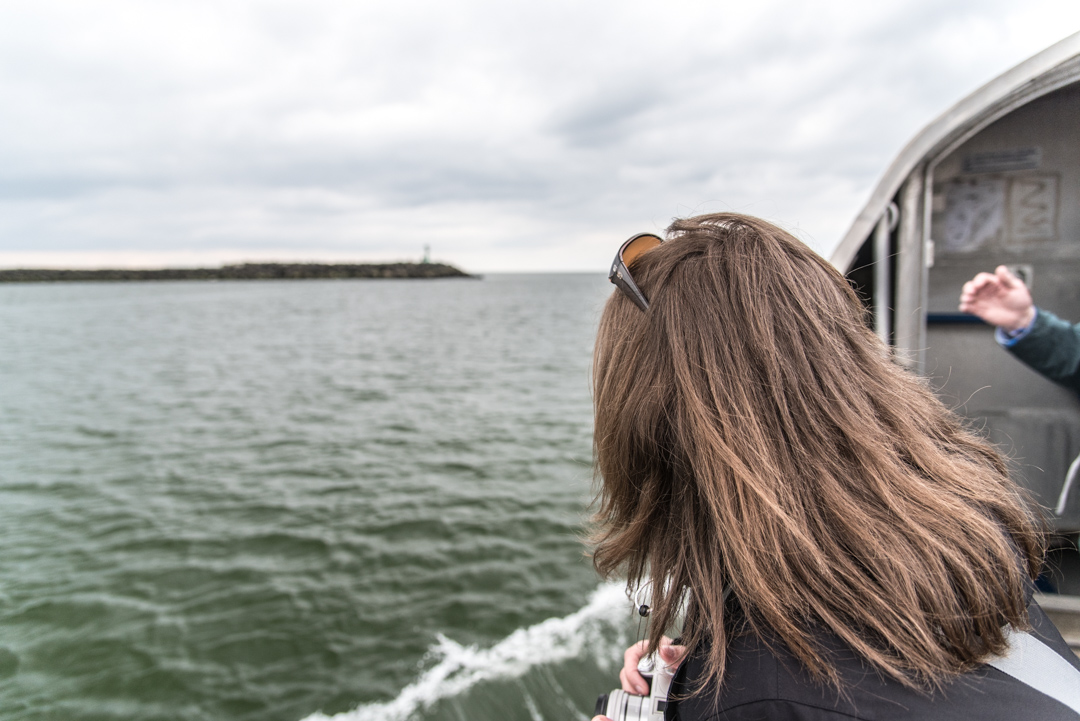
(1052, 347)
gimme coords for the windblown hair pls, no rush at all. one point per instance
(752, 431)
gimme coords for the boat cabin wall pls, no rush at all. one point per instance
(1010, 195)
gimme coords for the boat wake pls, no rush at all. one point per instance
(592, 631)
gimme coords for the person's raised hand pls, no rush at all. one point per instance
(999, 298)
(631, 679)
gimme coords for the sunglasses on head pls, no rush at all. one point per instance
(630, 251)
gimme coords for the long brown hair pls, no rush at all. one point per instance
(752, 431)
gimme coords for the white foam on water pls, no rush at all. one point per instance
(462, 667)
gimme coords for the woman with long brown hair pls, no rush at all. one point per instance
(840, 545)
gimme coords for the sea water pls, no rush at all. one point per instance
(301, 500)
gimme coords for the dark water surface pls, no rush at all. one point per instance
(268, 500)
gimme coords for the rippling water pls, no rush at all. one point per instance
(288, 500)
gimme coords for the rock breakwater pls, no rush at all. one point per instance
(244, 271)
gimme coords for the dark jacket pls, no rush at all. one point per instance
(762, 684)
(1052, 347)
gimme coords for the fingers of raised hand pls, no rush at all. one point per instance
(984, 281)
(979, 288)
(1006, 277)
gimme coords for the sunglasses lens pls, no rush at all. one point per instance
(638, 246)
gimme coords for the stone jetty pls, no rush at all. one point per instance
(244, 271)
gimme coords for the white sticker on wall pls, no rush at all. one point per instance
(974, 213)
(1033, 208)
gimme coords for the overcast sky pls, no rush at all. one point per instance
(506, 135)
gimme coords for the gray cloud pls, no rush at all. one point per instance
(510, 137)
(608, 116)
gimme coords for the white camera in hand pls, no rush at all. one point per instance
(619, 705)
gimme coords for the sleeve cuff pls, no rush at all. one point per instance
(1011, 338)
